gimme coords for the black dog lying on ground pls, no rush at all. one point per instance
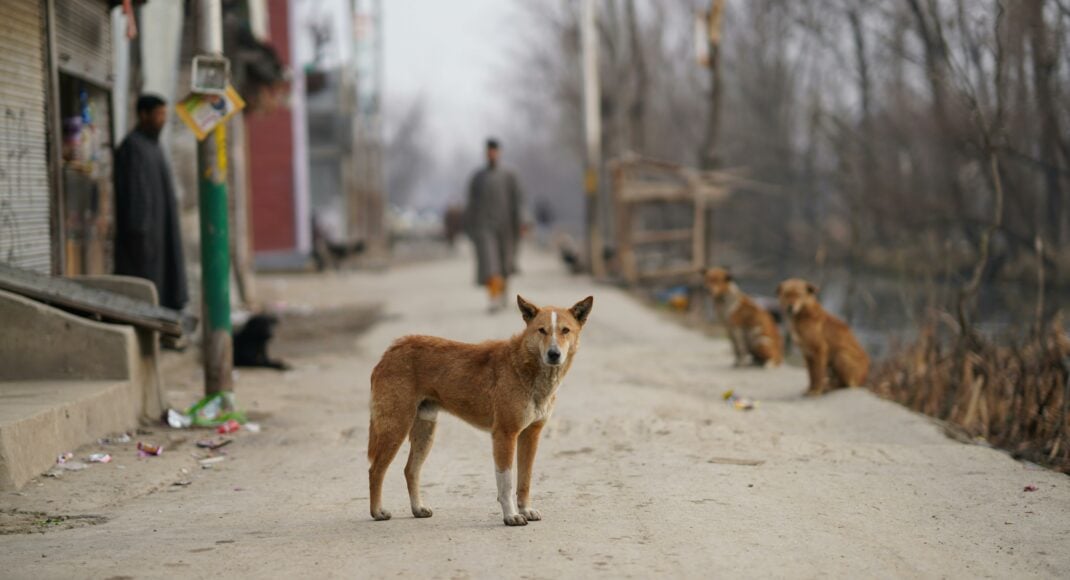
(251, 343)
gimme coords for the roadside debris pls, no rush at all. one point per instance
(209, 461)
(252, 427)
(119, 439)
(740, 403)
(148, 449)
(100, 458)
(178, 420)
(676, 298)
(214, 444)
(228, 427)
(64, 457)
(1030, 487)
(211, 411)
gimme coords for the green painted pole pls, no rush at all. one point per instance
(215, 228)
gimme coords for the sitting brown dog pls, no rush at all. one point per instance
(750, 327)
(834, 358)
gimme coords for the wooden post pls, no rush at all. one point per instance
(592, 123)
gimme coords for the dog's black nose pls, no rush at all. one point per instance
(553, 356)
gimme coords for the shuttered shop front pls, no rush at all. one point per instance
(83, 40)
(25, 231)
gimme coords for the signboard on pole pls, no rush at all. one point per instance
(203, 112)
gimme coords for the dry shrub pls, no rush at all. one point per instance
(1015, 395)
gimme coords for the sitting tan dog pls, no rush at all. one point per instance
(751, 328)
(834, 358)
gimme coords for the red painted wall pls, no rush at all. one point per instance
(271, 156)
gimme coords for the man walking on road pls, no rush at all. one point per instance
(148, 241)
(492, 219)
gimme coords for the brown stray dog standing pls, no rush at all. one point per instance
(507, 387)
(834, 358)
(751, 328)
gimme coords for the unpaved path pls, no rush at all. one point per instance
(636, 474)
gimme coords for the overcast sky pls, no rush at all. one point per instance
(448, 53)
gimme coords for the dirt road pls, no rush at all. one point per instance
(644, 471)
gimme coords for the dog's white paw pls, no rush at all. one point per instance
(531, 514)
(515, 520)
(381, 516)
(421, 512)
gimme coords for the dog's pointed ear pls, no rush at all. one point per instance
(582, 309)
(779, 288)
(811, 288)
(527, 309)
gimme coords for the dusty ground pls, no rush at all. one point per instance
(644, 471)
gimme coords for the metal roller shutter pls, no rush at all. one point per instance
(83, 40)
(25, 229)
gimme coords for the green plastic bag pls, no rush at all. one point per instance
(215, 410)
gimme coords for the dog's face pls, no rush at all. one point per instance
(718, 282)
(554, 332)
(795, 294)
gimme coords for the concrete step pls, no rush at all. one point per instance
(41, 419)
(66, 380)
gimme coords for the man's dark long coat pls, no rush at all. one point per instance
(148, 241)
(492, 219)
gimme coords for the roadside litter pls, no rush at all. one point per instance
(1030, 487)
(676, 298)
(739, 403)
(178, 420)
(100, 458)
(214, 444)
(66, 462)
(119, 439)
(211, 411)
(211, 460)
(228, 427)
(148, 449)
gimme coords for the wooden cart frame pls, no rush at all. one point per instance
(638, 181)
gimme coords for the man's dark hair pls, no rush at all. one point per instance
(492, 143)
(149, 103)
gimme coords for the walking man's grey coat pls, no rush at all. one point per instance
(492, 220)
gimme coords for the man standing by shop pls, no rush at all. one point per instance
(148, 240)
(492, 220)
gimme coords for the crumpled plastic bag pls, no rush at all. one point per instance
(214, 410)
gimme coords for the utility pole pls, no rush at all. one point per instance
(592, 125)
(215, 234)
(710, 159)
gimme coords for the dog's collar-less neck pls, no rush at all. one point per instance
(730, 300)
(807, 311)
(544, 380)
